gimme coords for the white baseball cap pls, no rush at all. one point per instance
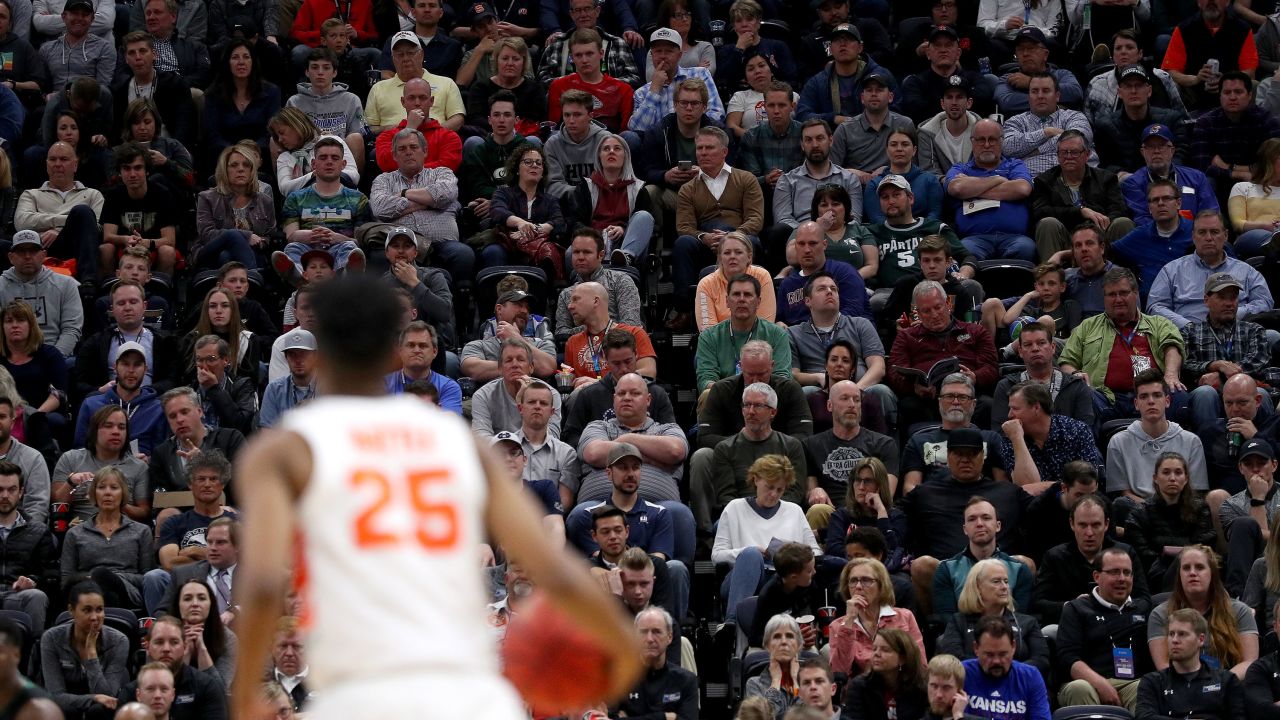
(665, 35)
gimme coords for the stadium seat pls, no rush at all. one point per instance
(1092, 712)
(1005, 278)
(486, 287)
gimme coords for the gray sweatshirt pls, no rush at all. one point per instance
(35, 481)
(337, 113)
(1132, 454)
(570, 163)
(55, 298)
(129, 553)
(94, 57)
(73, 682)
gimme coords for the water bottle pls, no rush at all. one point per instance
(984, 65)
(1234, 441)
(717, 33)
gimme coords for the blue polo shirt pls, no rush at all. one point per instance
(1010, 217)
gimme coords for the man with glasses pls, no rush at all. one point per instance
(989, 196)
(1097, 628)
(657, 99)
(924, 457)
(1152, 245)
(666, 156)
(1109, 351)
(1073, 192)
(1033, 135)
(1159, 154)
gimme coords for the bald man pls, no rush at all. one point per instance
(444, 147)
(1243, 406)
(585, 351)
(64, 213)
(136, 711)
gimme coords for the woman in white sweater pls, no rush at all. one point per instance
(748, 528)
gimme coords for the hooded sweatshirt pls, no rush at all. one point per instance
(55, 299)
(301, 158)
(338, 113)
(94, 57)
(146, 417)
(1132, 455)
(936, 155)
(569, 163)
(613, 203)
(444, 147)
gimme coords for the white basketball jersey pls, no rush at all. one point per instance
(388, 543)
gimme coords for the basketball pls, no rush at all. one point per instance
(1015, 329)
(553, 663)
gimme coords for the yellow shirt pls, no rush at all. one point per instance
(383, 107)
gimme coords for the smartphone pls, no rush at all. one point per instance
(686, 164)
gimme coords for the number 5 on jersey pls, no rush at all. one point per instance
(435, 521)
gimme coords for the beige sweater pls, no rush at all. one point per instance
(44, 208)
(741, 205)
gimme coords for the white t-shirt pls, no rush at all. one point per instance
(751, 104)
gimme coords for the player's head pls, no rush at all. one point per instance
(356, 343)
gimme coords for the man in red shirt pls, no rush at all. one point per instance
(444, 147)
(613, 97)
(1204, 47)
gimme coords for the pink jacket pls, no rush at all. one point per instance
(851, 644)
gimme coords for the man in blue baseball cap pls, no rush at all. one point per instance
(1158, 150)
(1031, 51)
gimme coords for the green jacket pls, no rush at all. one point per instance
(1089, 346)
(718, 350)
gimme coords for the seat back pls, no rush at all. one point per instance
(486, 287)
(1005, 278)
(1092, 712)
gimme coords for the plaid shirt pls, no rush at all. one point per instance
(762, 149)
(618, 60)
(1235, 142)
(1024, 137)
(1244, 343)
(649, 107)
(437, 224)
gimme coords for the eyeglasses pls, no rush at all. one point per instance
(754, 406)
(955, 397)
(863, 581)
(1162, 199)
(1118, 572)
(208, 358)
(690, 103)
(530, 162)
(1070, 153)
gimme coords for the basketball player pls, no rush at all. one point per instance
(386, 501)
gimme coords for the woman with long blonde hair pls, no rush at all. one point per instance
(1254, 206)
(237, 215)
(1233, 631)
(986, 593)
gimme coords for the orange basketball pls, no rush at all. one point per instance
(552, 662)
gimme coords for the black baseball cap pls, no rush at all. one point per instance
(965, 438)
(1256, 446)
(947, 30)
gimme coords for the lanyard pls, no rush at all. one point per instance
(1226, 345)
(1128, 340)
(597, 349)
(824, 341)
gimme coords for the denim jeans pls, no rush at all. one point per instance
(1122, 407)
(456, 258)
(226, 246)
(1001, 246)
(743, 581)
(1250, 242)
(339, 250)
(635, 241)
(1204, 407)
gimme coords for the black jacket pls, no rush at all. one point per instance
(166, 473)
(90, 371)
(721, 415)
(1262, 688)
(815, 48)
(921, 92)
(595, 401)
(671, 689)
(1064, 574)
(1032, 648)
(1155, 525)
(1099, 191)
(934, 507)
(197, 696)
(1207, 694)
(864, 699)
(657, 152)
(172, 96)
(29, 551)
(234, 403)
(1088, 630)
(1119, 139)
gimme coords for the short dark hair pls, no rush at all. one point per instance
(502, 95)
(1041, 76)
(1102, 556)
(813, 122)
(10, 468)
(1093, 228)
(868, 537)
(423, 387)
(841, 343)
(322, 54)
(604, 512)
(792, 558)
(1078, 471)
(617, 339)
(351, 327)
(1239, 76)
(1033, 393)
(994, 626)
(813, 279)
(1149, 376)
(328, 141)
(588, 231)
(129, 152)
(744, 278)
(816, 663)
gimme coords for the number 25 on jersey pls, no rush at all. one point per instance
(434, 521)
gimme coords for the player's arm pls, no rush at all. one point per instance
(515, 522)
(279, 462)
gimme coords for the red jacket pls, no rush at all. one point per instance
(444, 147)
(306, 26)
(918, 348)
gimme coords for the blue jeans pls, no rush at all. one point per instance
(1001, 246)
(1122, 407)
(691, 255)
(1204, 407)
(339, 250)
(743, 581)
(155, 584)
(456, 258)
(1250, 243)
(635, 241)
(226, 246)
